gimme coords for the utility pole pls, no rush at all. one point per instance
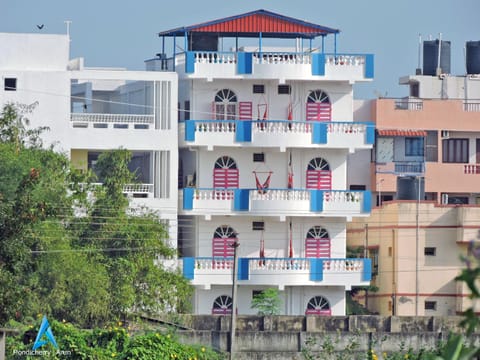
(417, 228)
(233, 321)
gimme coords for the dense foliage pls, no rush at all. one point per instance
(115, 341)
(68, 256)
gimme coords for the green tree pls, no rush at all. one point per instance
(131, 246)
(267, 302)
(88, 268)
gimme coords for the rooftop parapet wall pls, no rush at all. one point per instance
(426, 114)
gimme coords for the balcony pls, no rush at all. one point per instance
(132, 190)
(401, 168)
(279, 272)
(111, 121)
(275, 202)
(277, 133)
(452, 177)
(272, 65)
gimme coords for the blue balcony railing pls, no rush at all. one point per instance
(220, 200)
(245, 62)
(320, 132)
(256, 269)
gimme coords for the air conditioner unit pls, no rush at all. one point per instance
(444, 198)
(445, 134)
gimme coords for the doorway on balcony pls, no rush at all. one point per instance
(222, 305)
(318, 107)
(318, 305)
(222, 243)
(225, 105)
(225, 173)
(317, 243)
(318, 174)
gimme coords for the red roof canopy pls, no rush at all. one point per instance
(251, 24)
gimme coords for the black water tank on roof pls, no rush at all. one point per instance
(473, 57)
(430, 57)
(407, 188)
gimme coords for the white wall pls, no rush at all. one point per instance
(294, 299)
(340, 94)
(277, 162)
(28, 52)
(276, 235)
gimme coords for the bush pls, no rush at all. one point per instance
(113, 342)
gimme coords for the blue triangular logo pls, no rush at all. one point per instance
(46, 330)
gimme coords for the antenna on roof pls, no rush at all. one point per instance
(67, 23)
(418, 71)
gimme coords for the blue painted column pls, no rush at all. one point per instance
(369, 66)
(190, 130)
(241, 199)
(243, 269)
(188, 198)
(367, 270)
(370, 133)
(188, 268)
(316, 269)
(316, 200)
(243, 131)
(367, 202)
(318, 64)
(244, 63)
(319, 133)
(189, 62)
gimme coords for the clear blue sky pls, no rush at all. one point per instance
(123, 33)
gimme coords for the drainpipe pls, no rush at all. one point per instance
(417, 214)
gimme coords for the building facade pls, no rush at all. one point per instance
(265, 131)
(425, 175)
(92, 110)
(421, 282)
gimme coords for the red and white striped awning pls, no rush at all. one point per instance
(401, 132)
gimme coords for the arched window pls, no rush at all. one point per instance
(225, 173)
(222, 305)
(318, 305)
(318, 174)
(318, 106)
(317, 243)
(223, 239)
(225, 105)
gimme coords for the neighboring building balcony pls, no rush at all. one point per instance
(452, 177)
(111, 121)
(401, 168)
(134, 190)
(273, 65)
(280, 272)
(275, 202)
(277, 133)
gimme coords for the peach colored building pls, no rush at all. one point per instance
(417, 282)
(436, 140)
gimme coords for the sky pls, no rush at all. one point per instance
(119, 33)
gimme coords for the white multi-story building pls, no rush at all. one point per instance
(265, 131)
(91, 110)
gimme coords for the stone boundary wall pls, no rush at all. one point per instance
(285, 337)
(363, 323)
